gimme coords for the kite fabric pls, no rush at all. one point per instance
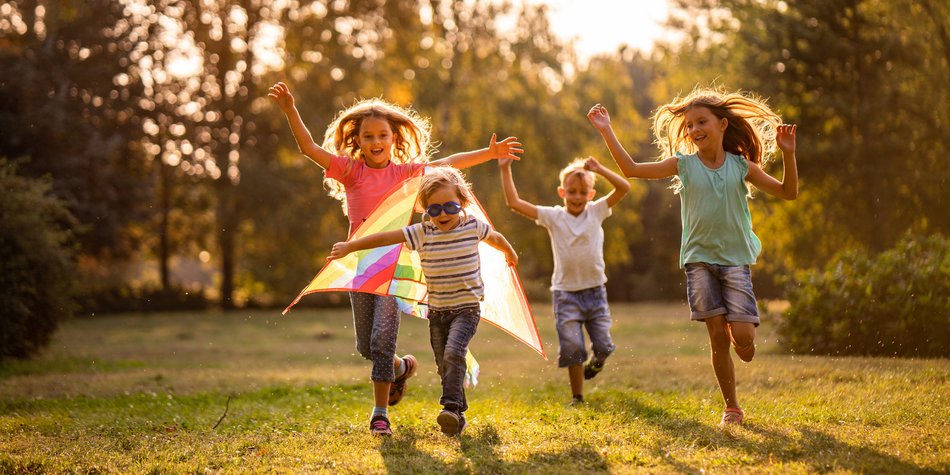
(396, 270)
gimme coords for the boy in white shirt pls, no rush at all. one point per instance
(577, 239)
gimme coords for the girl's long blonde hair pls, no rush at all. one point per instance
(412, 141)
(750, 133)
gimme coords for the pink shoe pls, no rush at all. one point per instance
(732, 416)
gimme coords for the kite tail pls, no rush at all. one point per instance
(471, 370)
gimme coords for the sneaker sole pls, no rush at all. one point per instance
(449, 424)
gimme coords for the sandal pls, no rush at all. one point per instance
(732, 416)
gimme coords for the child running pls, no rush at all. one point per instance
(367, 150)
(577, 239)
(447, 242)
(714, 143)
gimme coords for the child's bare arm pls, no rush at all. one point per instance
(512, 199)
(496, 240)
(666, 168)
(507, 148)
(280, 93)
(786, 189)
(620, 184)
(369, 241)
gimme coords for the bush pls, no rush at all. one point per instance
(37, 264)
(895, 304)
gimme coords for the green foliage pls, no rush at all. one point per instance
(36, 264)
(895, 303)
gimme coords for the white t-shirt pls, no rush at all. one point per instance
(578, 244)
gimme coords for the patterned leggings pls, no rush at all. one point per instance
(376, 321)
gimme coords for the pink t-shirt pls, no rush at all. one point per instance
(366, 186)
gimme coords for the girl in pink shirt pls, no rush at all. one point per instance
(367, 150)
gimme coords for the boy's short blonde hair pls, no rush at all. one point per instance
(576, 167)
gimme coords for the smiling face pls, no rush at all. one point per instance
(576, 190)
(375, 141)
(442, 195)
(704, 129)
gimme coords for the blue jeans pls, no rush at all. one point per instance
(714, 289)
(376, 322)
(574, 311)
(450, 332)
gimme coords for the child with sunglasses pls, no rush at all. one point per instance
(447, 241)
(368, 149)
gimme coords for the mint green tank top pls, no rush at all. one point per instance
(717, 225)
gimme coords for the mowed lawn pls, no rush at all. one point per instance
(254, 391)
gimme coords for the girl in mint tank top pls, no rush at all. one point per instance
(715, 143)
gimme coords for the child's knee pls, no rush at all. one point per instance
(743, 334)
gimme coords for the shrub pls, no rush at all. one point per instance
(37, 264)
(894, 304)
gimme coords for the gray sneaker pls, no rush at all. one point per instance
(450, 422)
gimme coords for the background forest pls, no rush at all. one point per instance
(182, 186)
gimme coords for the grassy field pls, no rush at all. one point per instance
(254, 391)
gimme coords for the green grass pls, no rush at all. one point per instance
(143, 394)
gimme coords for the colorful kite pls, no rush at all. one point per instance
(395, 270)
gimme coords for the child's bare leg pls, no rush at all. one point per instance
(576, 374)
(381, 393)
(742, 335)
(721, 359)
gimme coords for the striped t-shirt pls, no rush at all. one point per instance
(450, 261)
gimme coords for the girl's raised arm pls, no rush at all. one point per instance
(280, 93)
(787, 189)
(654, 170)
(507, 148)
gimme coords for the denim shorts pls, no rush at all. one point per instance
(714, 289)
(574, 311)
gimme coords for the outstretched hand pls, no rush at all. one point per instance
(339, 250)
(785, 138)
(507, 148)
(281, 94)
(599, 117)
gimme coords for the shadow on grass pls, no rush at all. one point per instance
(815, 449)
(479, 449)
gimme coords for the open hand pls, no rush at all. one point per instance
(505, 149)
(785, 138)
(281, 94)
(599, 117)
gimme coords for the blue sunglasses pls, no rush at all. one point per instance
(449, 207)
